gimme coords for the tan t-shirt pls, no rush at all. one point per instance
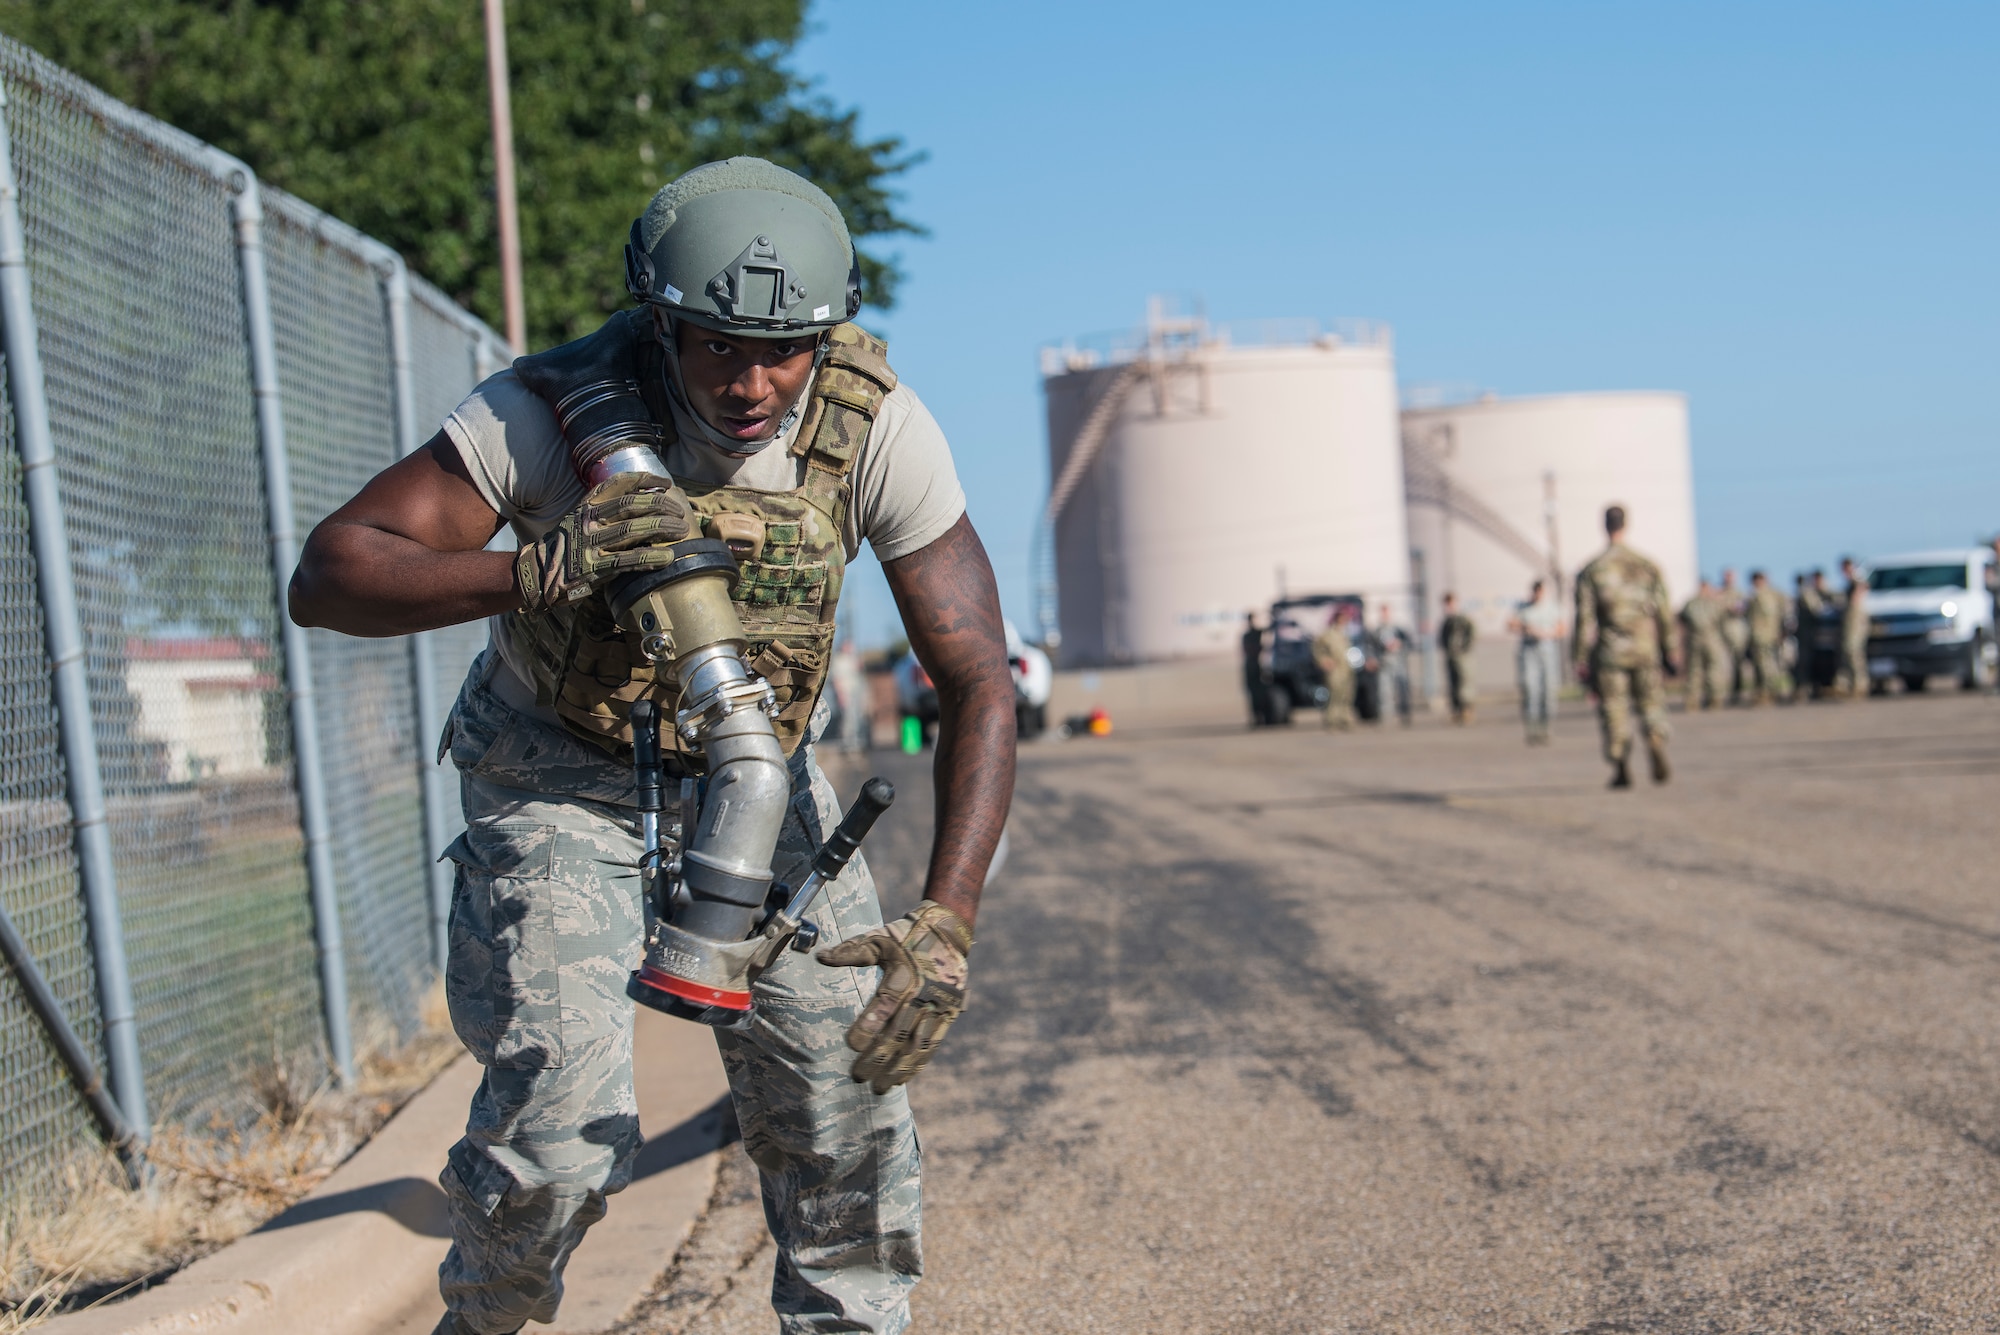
(906, 490)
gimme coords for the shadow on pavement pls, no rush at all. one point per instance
(417, 1204)
(710, 1129)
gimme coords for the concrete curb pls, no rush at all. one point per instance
(359, 1256)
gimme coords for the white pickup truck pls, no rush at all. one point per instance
(1034, 679)
(1930, 614)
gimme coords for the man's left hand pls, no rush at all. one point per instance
(922, 957)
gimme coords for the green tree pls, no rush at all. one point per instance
(376, 111)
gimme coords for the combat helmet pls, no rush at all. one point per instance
(745, 247)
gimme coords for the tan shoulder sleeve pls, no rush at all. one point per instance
(906, 488)
(510, 444)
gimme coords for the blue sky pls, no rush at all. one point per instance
(1788, 211)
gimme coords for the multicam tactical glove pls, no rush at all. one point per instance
(623, 525)
(922, 956)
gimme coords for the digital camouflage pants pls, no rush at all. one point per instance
(546, 923)
(1623, 692)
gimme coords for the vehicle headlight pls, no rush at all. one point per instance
(1948, 610)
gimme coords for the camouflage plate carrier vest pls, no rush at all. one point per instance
(788, 554)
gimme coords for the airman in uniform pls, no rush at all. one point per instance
(1735, 634)
(1624, 627)
(1766, 618)
(1329, 651)
(1254, 685)
(791, 442)
(1455, 636)
(1853, 681)
(1706, 651)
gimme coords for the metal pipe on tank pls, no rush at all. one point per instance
(1253, 450)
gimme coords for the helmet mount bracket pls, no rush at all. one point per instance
(756, 285)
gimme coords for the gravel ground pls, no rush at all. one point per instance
(1426, 1031)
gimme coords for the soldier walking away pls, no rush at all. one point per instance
(1455, 636)
(1390, 646)
(1621, 646)
(1852, 682)
(1705, 651)
(1538, 660)
(789, 442)
(1254, 686)
(1766, 614)
(1735, 634)
(1330, 655)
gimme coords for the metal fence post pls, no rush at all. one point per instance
(64, 628)
(423, 648)
(248, 211)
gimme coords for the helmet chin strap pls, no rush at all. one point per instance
(677, 390)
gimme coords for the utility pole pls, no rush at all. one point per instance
(503, 176)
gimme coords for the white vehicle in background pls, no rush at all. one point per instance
(1930, 614)
(1034, 677)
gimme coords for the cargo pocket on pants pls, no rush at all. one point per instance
(483, 1181)
(502, 982)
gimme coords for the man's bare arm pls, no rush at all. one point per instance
(951, 609)
(405, 554)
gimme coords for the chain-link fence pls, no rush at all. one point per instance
(141, 250)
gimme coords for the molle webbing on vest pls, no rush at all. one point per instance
(788, 549)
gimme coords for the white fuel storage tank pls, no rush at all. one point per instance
(1502, 489)
(1200, 472)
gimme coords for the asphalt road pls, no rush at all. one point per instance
(1426, 1031)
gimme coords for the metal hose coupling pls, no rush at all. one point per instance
(708, 899)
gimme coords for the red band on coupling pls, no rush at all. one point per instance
(699, 993)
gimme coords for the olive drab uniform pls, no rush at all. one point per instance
(1735, 629)
(1622, 626)
(547, 921)
(1329, 653)
(1708, 653)
(1455, 637)
(1852, 678)
(1767, 635)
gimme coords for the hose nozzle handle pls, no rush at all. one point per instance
(876, 795)
(647, 771)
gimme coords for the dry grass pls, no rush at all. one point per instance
(209, 1185)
